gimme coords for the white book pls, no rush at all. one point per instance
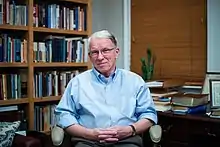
(154, 84)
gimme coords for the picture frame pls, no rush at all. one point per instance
(214, 87)
(206, 85)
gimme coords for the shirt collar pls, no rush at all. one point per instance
(103, 78)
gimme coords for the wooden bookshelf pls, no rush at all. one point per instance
(47, 99)
(11, 27)
(2, 64)
(78, 1)
(60, 31)
(14, 101)
(30, 32)
(57, 64)
(46, 132)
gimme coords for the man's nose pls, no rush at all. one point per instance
(100, 56)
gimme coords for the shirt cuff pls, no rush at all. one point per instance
(66, 120)
(152, 117)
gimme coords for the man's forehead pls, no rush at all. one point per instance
(101, 42)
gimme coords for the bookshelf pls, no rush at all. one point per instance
(27, 30)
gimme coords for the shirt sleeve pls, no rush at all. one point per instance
(66, 112)
(145, 105)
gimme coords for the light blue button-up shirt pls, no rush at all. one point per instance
(94, 101)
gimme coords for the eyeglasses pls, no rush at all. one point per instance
(104, 52)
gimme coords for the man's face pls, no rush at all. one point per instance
(103, 54)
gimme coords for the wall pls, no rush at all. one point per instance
(175, 31)
(113, 15)
(213, 35)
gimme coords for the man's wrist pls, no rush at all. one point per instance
(130, 131)
(88, 134)
(133, 130)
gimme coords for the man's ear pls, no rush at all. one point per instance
(117, 51)
(89, 56)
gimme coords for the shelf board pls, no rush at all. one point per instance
(59, 31)
(13, 27)
(47, 132)
(14, 64)
(77, 1)
(197, 83)
(47, 99)
(60, 64)
(13, 101)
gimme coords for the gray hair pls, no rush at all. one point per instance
(103, 34)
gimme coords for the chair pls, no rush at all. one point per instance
(60, 138)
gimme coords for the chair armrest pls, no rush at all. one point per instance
(57, 135)
(25, 141)
(60, 138)
(155, 133)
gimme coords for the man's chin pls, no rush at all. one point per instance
(103, 70)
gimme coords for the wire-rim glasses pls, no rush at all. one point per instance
(104, 52)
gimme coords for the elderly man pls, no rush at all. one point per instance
(106, 106)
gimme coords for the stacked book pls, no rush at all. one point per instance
(189, 103)
(162, 91)
(163, 104)
(168, 95)
(215, 113)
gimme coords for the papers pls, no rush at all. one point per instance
(154, 84)
(167, 94)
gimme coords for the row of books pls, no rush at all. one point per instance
(44, 15)
(44, 117)
(174, 95)
(59, 16)
(61, 49)
(12, 86)
(53, 49)
(183, 103)
(52, 83)
(12, 49)
(47, 83)
(12, 13)
(14, 112)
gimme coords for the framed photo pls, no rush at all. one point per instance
(214, 93)
(206, 85)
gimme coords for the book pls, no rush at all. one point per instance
(167, 83)
(190, 100)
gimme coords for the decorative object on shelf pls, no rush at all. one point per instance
(147, 66)
(214, 93)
